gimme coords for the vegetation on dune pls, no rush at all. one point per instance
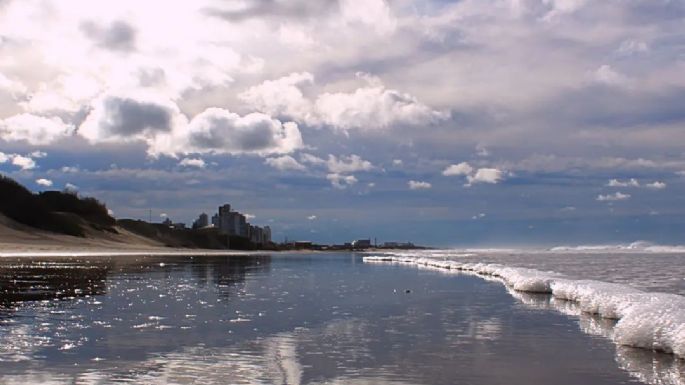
(60, 212)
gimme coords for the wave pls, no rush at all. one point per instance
(647, 320)
(638, 246)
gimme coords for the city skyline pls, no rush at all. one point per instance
(495, 122)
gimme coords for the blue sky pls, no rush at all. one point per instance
(474, 122)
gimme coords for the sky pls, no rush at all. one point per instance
(446, 123)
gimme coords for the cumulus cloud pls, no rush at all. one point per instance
(373, 13)
(341, 181)
(473, 175)
(285, 162)
(628, 183)
(23, 162)
(657, 185)
(282, 97)
(418, 185)
(478, 216)
(312, 159)
(397, 162)
(220, 131)
(312, 217)
(192, 162)
(609, 76)
(372, 106)
(618, 196)
(44, 182)
(159, 122)
(347, 164)
(462, 168)
(14, 87)
(130, 117)
(36, 130)
(485, 175)
(71, 187)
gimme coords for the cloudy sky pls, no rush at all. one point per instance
(471, 122)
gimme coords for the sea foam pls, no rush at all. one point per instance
(646, 320)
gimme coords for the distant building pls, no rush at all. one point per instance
(267, 235)
(231, 222)
(167, 222)
(201, 221)
(398, 245)
(361, 244)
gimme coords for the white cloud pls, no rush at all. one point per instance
(418, 185)
(70, 169)
(462, 168)
(293, 35)
(311, 159)
(312, 217)
(632, 47)
(373, 13)
(250, 216)
(609, 76)
(12, 86)
(192, 162)
(44, 182)
(347, 164)
(657, 185)
(282, 97)
(285, 162)
(38, 154)
(397, 162)
(618, 196)
(485, 175)
(628, 183)
(71, 187)
(473, 175)
(23, 162)
(36, 130)
(4, 157)
(372, 106)
(341, 181)
(478, 216)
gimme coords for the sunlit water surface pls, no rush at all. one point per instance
(295, 319)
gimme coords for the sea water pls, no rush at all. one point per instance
(318, 319)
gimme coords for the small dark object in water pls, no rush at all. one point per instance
(407, 291)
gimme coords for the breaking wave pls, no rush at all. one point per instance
(647, 320)
(638, 246)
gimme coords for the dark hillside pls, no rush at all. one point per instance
(54, 211)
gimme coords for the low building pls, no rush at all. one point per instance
(361, 244)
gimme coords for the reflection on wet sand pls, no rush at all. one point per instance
(43, 280)
(647, 366)
(288, 321)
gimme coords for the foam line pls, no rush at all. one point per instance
(646, 320)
